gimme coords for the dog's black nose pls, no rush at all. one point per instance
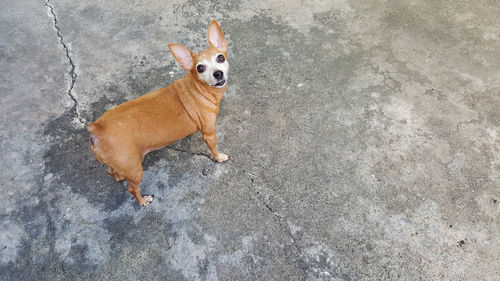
(218, 74)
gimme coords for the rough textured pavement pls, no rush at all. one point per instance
(364, 136)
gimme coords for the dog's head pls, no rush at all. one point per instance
(209, 66)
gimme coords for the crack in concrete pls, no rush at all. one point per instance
(72, 70)
(280, 218)
(288, 232)
(286, 229)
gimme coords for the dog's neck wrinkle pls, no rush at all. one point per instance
(191, 91)
(211, 94)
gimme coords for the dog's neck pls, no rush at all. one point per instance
(212, 94)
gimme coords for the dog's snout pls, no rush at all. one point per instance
(218, 74)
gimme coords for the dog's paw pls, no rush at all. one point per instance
(147, 199)
(222, 157)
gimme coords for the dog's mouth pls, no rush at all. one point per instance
(220, 83)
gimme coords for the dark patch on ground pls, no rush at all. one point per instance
(72, 164)
(41, 238)
(72, 161)
(138, 247)
(144, 78)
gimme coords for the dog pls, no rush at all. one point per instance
(123, 135)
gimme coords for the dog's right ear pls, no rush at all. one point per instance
(216, 37)
(183, 55)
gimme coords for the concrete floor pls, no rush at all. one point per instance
(364, 136)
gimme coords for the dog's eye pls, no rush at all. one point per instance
(220, 58)
(200, 68)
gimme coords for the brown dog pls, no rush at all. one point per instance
(124, 134)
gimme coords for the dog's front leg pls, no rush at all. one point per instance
(211, 140)
(208, 134)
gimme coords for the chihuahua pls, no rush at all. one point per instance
(123, 135)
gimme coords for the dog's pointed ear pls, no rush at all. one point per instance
(216, 37)
(183, 55)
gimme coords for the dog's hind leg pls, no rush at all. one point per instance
(135, 189)
(114, 174)
(134, 178)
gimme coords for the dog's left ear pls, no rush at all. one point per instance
(183, 55)
(216, 37)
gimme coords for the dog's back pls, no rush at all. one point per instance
(141, 125)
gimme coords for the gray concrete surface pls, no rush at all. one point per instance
(364, 136)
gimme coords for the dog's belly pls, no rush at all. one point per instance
(164, 137)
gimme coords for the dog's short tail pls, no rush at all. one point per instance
(94, 130)
(93, 127)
